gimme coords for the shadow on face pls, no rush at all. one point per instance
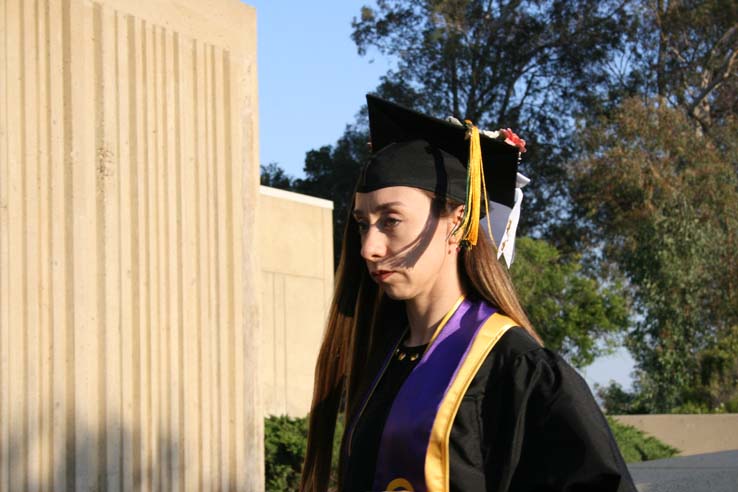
(415, 202)
(409, 255)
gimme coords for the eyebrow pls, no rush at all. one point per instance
(379, 208)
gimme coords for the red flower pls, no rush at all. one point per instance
(512, 139)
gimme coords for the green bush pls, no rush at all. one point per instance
(637, 446)
(285, 441)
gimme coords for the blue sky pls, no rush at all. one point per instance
(311, 84)
(311, 80)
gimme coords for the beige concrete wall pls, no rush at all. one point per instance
(296, 254)
(691, 434)
(128, 306)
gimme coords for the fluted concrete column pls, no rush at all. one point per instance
(128, 299)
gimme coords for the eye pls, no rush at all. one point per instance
(390, 222)
(362, 226)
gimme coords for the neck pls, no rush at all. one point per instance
(425, 312)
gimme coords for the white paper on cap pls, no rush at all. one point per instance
(498, 215)
(504, 222)
(507, 248)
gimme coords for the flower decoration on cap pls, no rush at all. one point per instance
(512, 139)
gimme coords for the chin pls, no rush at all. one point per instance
(397, 294)
(395, 297)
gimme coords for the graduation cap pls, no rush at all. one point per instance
(448, 158)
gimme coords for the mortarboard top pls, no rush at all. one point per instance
(413, 149)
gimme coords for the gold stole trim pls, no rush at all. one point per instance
(436, 458)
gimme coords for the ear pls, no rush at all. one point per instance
(455, 218)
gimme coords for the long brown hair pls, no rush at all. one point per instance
(363, 322)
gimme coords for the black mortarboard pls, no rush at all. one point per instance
(413, 149)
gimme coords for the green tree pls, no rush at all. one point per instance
(574, 314)
(617, 401)
(682, 53)
(274, 176)
(685, 54)
(655, 194)
(662, 200)
(519, 64)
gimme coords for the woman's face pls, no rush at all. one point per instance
(405, 245)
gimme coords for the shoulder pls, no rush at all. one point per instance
(519, 362)
(514, 343)
(531, 401)
(516, 346)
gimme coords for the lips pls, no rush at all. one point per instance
(381, 275)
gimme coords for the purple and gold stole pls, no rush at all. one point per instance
(413, 451)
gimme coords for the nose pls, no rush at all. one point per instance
(373, 245)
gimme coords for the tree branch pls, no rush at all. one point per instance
(717, 80)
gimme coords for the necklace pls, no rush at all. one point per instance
(410, 353)
(414, 353)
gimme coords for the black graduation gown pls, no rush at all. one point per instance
(528, 422)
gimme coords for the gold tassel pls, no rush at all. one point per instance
(476, 191)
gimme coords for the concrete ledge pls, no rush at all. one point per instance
(295, 197)
(690, 434)
(713, 472)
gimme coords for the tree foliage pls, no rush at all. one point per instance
(662, 200)
(274, 176)
(656, 186)
(685, 53)
(617, 401)
(573, 313)
(491, 61)
(514, 64)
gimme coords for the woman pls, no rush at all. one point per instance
(444, 384)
